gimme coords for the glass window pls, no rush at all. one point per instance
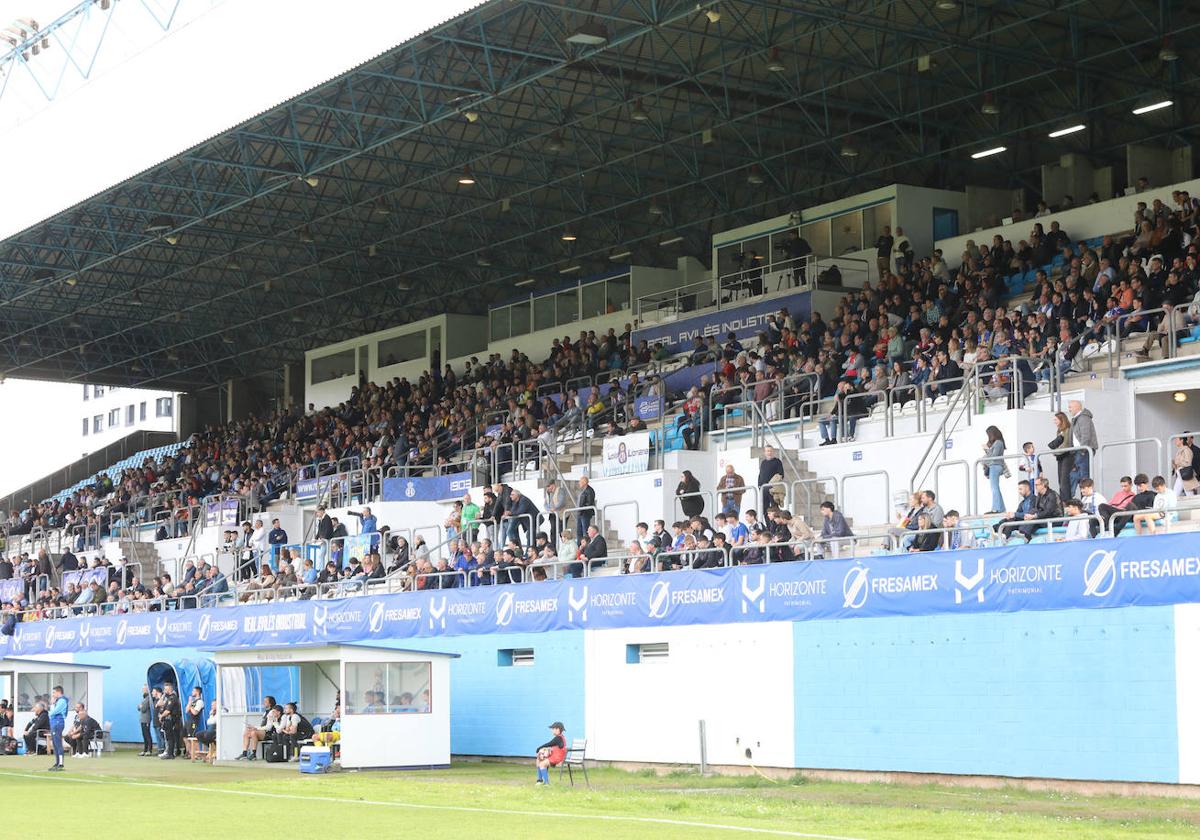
(499, 325)
(402, 348)
(114, 417)
(617, 290)
(817, 236)
(847, 233)
(333, 366)
(543, 313)
(164, 406)
(388, 688)
(142, 411)
(87, 391)
(594, 303)
(99, 391)
(519, 313)
(35, 688)
(130, 414)
(874, 219)
(85, 426)
(98, 424)
(566, 305)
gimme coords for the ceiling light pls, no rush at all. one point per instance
(403, 285)
(713, 15)
(1179, 396)
(620, 255)
(590, 34)
(754, 176)
(656, 209)
(849, 150)
(1153, 106)
(233, 265)
(671, 240)
(268, 285)
(135, 299)
(472, 116)
(945, 5)
(528, 281)
(571, 269)
(380, 207)
(638, 113)
(925, 63)
(306, 235)
(1167, 53)
(466, 178)
(568, 235)
(372, 250)
(25, 342)
(158, 224)
(228, 339)
(775, 65)
(311, 180)
(995, 150)
(72, 280)
(172, 356)
(989, 105)
(136, 367)
(172, 238)
(1071, 129)
(483, 261)
(556, 143)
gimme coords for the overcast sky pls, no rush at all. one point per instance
(152, 95)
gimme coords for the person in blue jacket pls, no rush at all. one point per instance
(58, 719)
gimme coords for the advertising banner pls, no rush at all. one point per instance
(85, 577)
(1054, 576)
(626, 454)
(224, 512)
(747, 321)
(437, 488)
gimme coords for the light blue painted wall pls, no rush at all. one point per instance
(1072, 694)
(498, 710)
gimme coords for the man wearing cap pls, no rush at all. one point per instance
(551, 753)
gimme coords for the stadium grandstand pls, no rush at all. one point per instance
(825, 375)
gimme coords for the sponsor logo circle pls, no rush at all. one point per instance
(660, 599)
(504, 609)
(855, 588)
(375, 617)
(1100, 573)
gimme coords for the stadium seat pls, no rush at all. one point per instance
(576, 758)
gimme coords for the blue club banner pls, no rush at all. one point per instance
(426, 488)
(311, 488)
(747, 321)
(1093, 574)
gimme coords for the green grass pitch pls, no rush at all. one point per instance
(123, 796)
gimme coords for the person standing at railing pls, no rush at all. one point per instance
(587, 504)
(555, 504)
(1066, 460)
(1083, 433)
(994, 467)
(324, 531)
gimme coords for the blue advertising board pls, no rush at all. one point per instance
(747, 321)
(436, 488)
(1084, 575)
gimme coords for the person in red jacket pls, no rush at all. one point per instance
(551, 753)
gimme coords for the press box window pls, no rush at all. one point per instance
(388, 688)
(163, 406)
(648, 652)
(514, 657)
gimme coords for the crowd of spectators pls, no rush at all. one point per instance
(916, 333)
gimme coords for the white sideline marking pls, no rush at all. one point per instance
(426, 807)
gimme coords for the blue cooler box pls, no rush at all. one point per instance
(315, 759)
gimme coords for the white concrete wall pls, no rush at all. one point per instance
(740, 683)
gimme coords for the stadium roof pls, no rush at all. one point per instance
(341, 212)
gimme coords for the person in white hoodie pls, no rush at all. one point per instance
(1164, 510)
(1077, 529)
